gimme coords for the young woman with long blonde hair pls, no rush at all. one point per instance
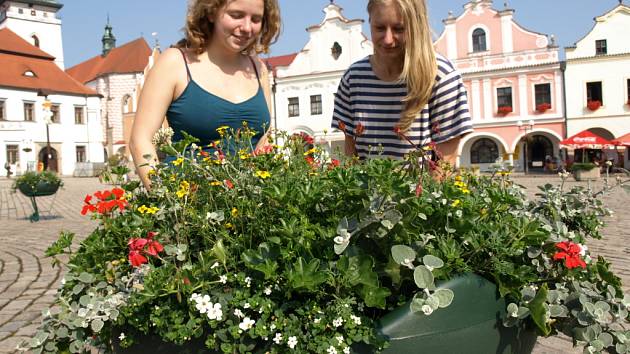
(404, 88)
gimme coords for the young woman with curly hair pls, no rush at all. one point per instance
(210, 79)
(403, 88)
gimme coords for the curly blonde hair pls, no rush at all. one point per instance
(420, 65)
(198, 30)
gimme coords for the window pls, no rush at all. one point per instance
(20, 11)
(484, 151)
(479, 40)
(628, 91)
(601, 47)
(294, 106)
(81, 153)
(542, 93)
(594, 92)
(13, 155)
(33, 13)
(127, 104)
(54, 109)
(316, 104)
(3, 115)
(29, 111)
(79, 115)
(504, 97)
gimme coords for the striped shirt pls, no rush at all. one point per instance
(364, 99)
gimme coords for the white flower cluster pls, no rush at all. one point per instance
(203, 305)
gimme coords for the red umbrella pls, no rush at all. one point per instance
(587, 140)
(622, 140)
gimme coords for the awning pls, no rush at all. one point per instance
(587, 140)
(623, 140)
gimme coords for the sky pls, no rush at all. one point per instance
(83, 21)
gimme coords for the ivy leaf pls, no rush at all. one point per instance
(538, 311)
(374, 296)
(360, 271)
(423, 277)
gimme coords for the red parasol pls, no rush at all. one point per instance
(623, 140)
(587, 140)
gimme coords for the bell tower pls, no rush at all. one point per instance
(36, 21)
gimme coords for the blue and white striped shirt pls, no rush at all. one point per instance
(362, 98)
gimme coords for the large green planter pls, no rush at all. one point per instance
(471, 324)
(41, 189)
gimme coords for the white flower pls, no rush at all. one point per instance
(216, 264)
(239, 313)
(427, 309)
(223, 279)
(346, 350)
(203, 303)
(338, 322)
(356, 319)
(278, 338)
(459, 213)
(339, 339)
(583, 250)
(267, 291)
(331, 350)
(272, 327)
(317, 320)
(194, 297)
(247, 305)
(444, 201)
(122, 336)
(215, 312)
(246, 324)
(292, 342)
(248, 281)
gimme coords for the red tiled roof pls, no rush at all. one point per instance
(129, 58)
(11, 43)
(281, 60)
(17, 57)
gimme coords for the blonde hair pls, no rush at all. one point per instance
(198, 30)
(420, 66)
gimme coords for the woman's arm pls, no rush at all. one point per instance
(264, 81)
(157, 94)
(349, 147)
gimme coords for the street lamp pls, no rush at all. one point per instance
(47, 105)
(526, 128)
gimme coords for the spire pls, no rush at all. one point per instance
(109, 41)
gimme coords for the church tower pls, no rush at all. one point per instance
(36, 21)
(109, 41)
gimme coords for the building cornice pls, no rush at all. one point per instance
(54, 5)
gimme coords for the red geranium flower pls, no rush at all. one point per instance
(342, 127)
(137, 259)
(571, 253)
(138, 247)
(359, 129)
(229, 184)
(107, 201)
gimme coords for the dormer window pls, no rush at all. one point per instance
(336, 50)
(601, 47)
(479, 40)
(29, 73)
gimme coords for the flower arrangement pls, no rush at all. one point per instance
(291, 250)
(593, 105)
(504, 110)
(31, 180)
(543, 107)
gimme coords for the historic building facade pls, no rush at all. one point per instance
(514, 81)
(598, 78)
(304, 84)
(31, 58)
(117, 75)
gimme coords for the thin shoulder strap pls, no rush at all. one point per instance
(186, 63)
(255, 69)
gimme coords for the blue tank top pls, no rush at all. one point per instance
(199, 113)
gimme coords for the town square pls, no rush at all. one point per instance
(401, 176)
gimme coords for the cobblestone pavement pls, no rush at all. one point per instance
(28, 282)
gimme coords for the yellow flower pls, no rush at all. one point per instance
(311, 151)
(460, 184)
(152, 210)
(263, 174)
(465, 190)
(427, 148)
(151, 172)
(179, 161)
(243, 154)
(172, 178)
(143, 209)
(234, 212)
(222, 129)
(456, 203)
(229, 226)
(215, 183)
(459, 178)
(184, 189)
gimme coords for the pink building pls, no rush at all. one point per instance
(514, 82)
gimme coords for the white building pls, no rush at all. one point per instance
(29, 76)
(598, 70)
(305, 83)
(116, 74)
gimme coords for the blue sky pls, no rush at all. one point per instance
(84, 20)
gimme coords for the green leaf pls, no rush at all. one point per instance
(416, 304)
(374, 296)
(85, 300)
(512, 310)
(86, 278)
(97, 325)
(403, 254)
(219, 251)
(538, 311)
(432, 262)
(423, 277)
(169, 150)
(360, 270)
(305, 275)
(77, 289)
(606, 339)
(444, 297)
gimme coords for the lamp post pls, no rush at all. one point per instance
(47, 119)
(525, 128)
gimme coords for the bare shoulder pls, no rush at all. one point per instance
(171, 58)
(261, 66)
